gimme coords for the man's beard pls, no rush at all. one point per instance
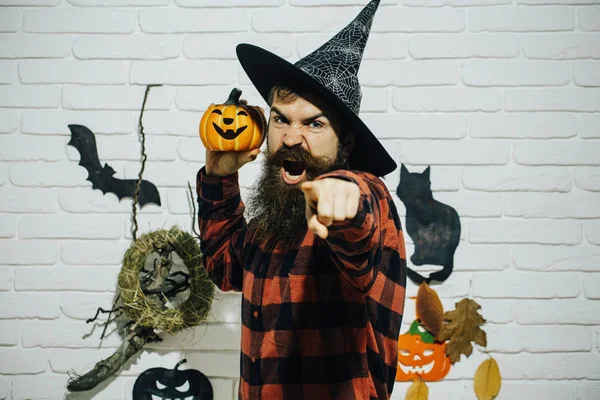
(278, 210)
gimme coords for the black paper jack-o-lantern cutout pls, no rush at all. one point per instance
(167, 384)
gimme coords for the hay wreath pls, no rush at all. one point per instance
(163, 287)
(172, 299)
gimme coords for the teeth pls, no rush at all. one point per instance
(419, 370)
(292, 177)
(156, 397)
(427, 368)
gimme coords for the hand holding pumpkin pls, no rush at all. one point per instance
(223, 163)
(232, 133)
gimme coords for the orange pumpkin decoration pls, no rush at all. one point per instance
(232, 125)
(420, 357)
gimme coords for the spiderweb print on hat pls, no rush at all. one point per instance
(335, 64)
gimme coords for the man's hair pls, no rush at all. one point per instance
(286, 95)
(282, 93)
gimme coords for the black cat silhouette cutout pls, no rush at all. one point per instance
(434, 227)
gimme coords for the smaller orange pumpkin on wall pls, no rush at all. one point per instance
(420, 356)
(232, 126)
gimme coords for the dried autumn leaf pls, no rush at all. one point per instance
(487, 380)
(417, 391)
(461, 327)
(429, 309)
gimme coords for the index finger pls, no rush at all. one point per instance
(311, 190)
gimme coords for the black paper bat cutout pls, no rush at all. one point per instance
(102, 177)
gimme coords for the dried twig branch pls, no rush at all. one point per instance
(144, 157)
(107, 367)
(103, 311)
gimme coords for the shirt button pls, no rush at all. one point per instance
(255, 314)
(253, 359)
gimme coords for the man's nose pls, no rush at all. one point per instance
(293, 137)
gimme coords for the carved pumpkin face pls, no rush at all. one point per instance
(232, 125)
(420, 356)
(169, 384)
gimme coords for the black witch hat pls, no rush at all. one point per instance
(331, 73)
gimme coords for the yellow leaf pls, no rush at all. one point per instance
(487, 380)
(429, 309)
(417, 391)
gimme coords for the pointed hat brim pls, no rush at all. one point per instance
(267, 70)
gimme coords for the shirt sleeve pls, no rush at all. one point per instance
(223, 229)
(356, 243)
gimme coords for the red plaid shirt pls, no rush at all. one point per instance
(319, 321)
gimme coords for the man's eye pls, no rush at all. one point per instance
(316, 125)
(278, 119)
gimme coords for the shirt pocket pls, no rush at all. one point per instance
(304, 289)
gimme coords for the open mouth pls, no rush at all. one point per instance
(425, 369)
(293, 172)
(229, 134)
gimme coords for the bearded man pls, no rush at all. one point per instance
(321, 263)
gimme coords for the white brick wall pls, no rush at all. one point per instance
(501, 97)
